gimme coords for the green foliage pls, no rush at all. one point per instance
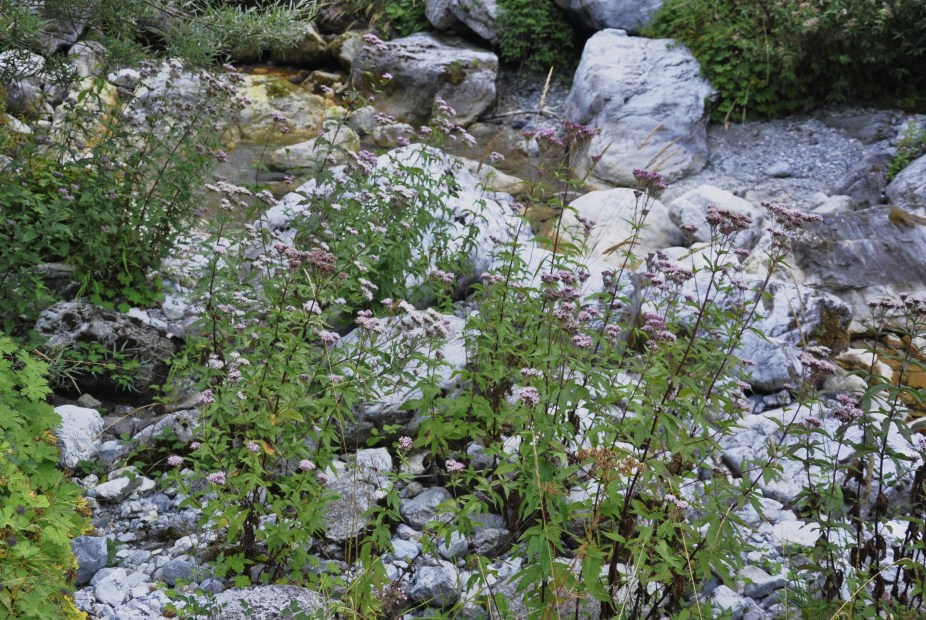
(912, 144)
(108, 198)
(93, 359)
(769, 58)
(397, 18)
(535, 34)
(406, 17)
(40, 511)
(199, 31)
(279, 392)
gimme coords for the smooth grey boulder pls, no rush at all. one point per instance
(866, 125)
(60, 34)
(91, 554)
(88, 58)
(630, 15)
(182, 425)
(908, 189)
(78, 434)
(468, 207)
(790, 313)
(181, 570)
(334, 147)
(759, 583)
(726, 601)
(613, 211)
(71, 325)
(270, 603)
(457, 547)
(115, 490)
(438, 13)
(477, 15)
(392, 388)
(424, 68)
(423, 508)
(690, 209)
(649, 100)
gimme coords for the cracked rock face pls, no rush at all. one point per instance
(424, 67)
(649, 99)
(73, 325)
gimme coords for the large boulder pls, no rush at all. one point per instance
(613, 211)
(690, 209)
(650, 101)
(270, 97)
(864, 254)
(424, 68)
(335, 146)
(78, 327)
(477, 15)
(631, 15)
(908, 189)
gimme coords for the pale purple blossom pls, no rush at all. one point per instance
(847, 409)
(306, 465)
(328, 338)
(583, 341)
(174, 461)
(405, 443)
(216, 477)
(253, 447)
(529, 396)
(374, 42)
(454, 466)
(206, 398)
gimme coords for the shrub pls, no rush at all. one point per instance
(107, 198)
(198, 32)
(40, 511)
(398, 18)
(912, 144)
(280, 390)
(535, 34)
(598, 415)
(769, 58)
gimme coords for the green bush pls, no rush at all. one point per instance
(40, 511)
(108, 198)
(534, 33)
(197, 31)
(396, 18)
(770, 58)
(912, 144)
